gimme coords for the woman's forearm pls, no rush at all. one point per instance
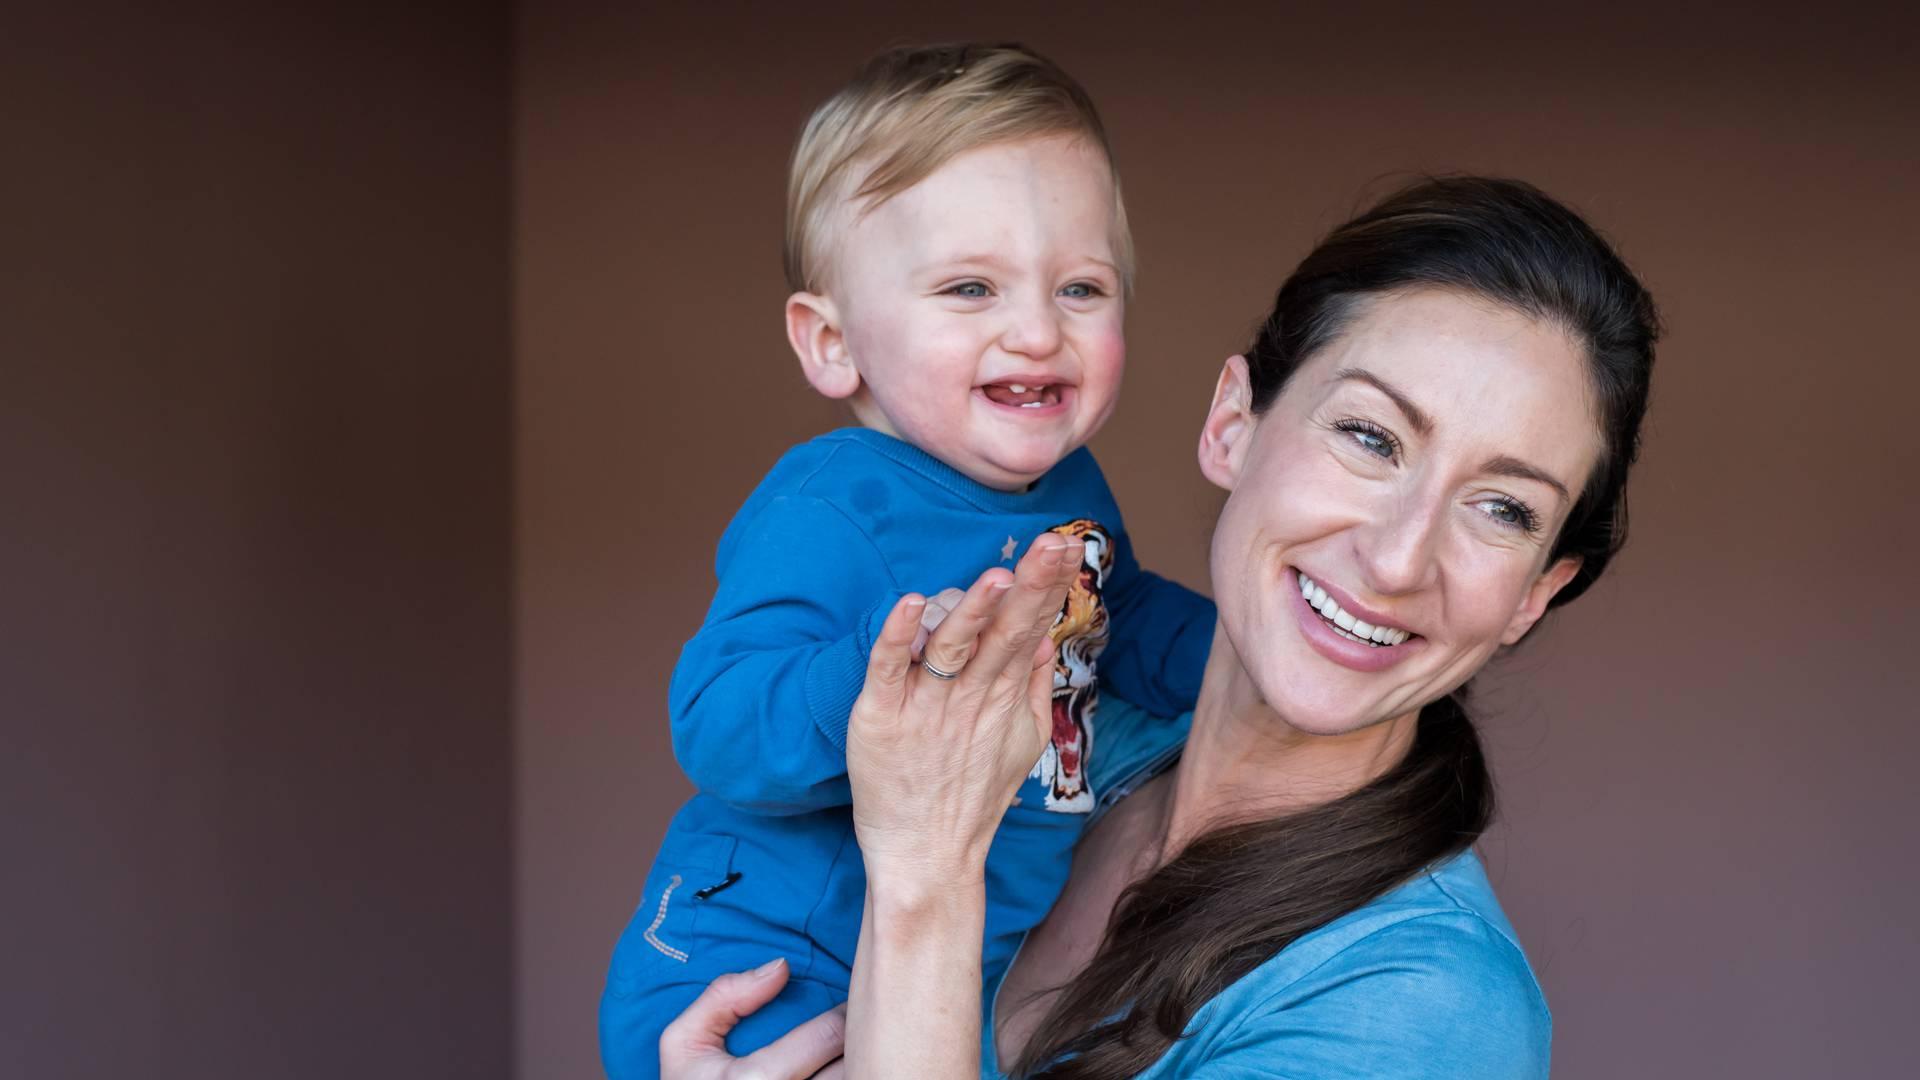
(935, 752)
(914, 1007)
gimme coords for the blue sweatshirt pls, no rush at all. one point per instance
(839, 530)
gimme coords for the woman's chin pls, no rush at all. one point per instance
(1321, 718)
(1327, 726)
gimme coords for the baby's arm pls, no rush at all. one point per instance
(1159, 634)
(760, 697)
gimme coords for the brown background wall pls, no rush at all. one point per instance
(254, 515)
(259, 781)
(1707, 841)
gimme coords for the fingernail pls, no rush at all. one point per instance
(767, 968)
(1001, 586)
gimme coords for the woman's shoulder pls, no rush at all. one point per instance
(1426, 980)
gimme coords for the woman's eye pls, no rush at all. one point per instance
(972, 290)
(1082, 290)
(1374, 440)
(1511, 513)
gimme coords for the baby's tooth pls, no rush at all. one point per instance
(1016, 388)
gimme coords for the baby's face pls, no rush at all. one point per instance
(982, 308)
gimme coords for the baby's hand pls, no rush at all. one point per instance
(939, 606)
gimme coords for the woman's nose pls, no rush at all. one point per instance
(1033, 329)
(1398, 551)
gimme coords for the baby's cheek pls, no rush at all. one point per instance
(1106, 348)
(1103, 358)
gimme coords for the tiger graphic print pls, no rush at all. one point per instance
(1079, 634)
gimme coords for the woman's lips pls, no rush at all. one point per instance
(1335, 607)
(1344, 649)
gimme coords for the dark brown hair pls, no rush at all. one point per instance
(1237, 895)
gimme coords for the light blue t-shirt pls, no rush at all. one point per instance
(1426, 982)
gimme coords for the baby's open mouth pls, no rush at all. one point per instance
(1344, 623)
(1022, 395)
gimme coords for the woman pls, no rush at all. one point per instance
(1426, 447)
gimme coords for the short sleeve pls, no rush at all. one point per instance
(1431, 998)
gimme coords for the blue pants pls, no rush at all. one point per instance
(631, 1023)
(716, 903)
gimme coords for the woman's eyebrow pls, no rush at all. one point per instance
(1513, 466)
(1503, 465)
(1421, 422)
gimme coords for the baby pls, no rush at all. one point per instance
(960, 263)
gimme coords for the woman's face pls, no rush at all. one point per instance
(1404, 488)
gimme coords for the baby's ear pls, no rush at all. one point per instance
(1229, 426)
(813, 329)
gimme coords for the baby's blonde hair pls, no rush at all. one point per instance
(910, 111)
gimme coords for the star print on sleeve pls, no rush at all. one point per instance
(1007, 552)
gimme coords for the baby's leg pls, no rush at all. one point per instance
(630, 1024)
(716, 903)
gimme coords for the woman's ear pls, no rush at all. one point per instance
(1551, 581)
(1229, 426)
(813, 329)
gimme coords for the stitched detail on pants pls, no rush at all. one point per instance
(660, 917)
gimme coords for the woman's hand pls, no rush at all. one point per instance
(934, 762)
(694, 1046)
(935, 751)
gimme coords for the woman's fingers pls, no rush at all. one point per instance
(697, 1038)
(892, 655)
(1040, 691)
(694, 1046)
(950, 647)
(939, 606)
(1040, 586)
(1043, 650)
(804, 1051)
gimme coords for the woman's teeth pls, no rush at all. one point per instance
(1344, 622)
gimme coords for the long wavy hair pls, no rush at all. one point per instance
(1240, 893)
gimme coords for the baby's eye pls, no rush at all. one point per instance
(1373, 439)
(972, 290)
(1082, 290)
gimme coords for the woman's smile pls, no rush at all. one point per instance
(1399, 524)
(1337, 634)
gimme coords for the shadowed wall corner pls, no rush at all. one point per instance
(255, 541)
